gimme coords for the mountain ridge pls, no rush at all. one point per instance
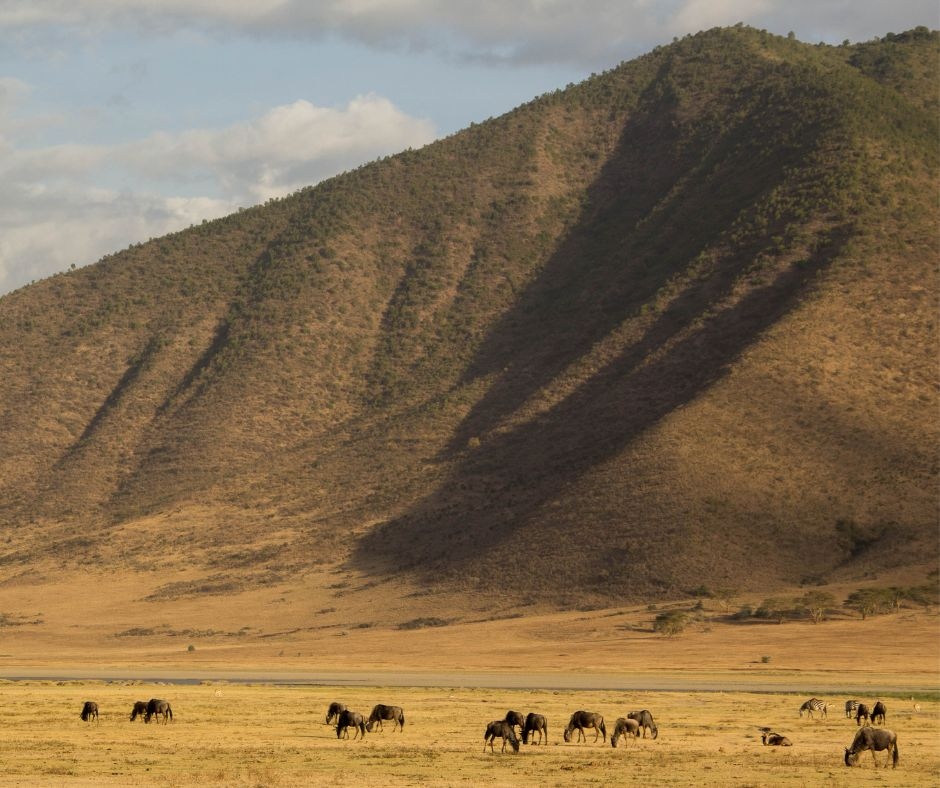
(612, 344)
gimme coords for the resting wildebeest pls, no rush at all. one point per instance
(775, 739)
(876, 740)
(878, 711)
(505, 731)
(139, 710)
(350, 719)
(89, 710)
(382, 712)
(586, 719)
(535, 723)
(645, 718)
(624, 727)
(334, 711)
(155, 706)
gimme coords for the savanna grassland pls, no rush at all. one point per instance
(472, 427)
(710, 688)
(262, 735)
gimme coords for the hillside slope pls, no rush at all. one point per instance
(674, 326)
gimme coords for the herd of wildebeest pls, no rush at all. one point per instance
(635, 724)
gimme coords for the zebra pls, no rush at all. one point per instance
(851, 706)
(814, 704)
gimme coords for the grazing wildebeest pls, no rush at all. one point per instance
(814, 704)
(862, 713)
(586, 719)
(645, 718)
(334, 711)
(851, 706)
(879, 712)
(535, 723)
(382, 712)
(505, 731)
(155, 706)
(350, 719)
(139, 710)
(624, 727)
(89, 710)
(775, 739)
(876, 740)
(516, 719)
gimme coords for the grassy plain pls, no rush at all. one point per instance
(231, 734)
(710, 688)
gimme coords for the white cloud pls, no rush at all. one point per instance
(74, 202)
(286, 148)
(57, 209)
(593, 32)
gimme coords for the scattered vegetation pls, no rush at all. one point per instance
(424, 622)
(560, 350)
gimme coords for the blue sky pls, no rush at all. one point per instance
(122, 120)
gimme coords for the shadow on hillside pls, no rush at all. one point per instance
(649, 214)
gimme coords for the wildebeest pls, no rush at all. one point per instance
(645, 718)
(350, 719)
(505, 731)
(876, 740)
(586, 719)
(382, 712)
(334, 711)
(851, 706)
(624, 727)
(89, 711)
(879, 713)
(814, 704)
(535, 723)
(139, 710)
(775, 739)
(155, 707)
(862, 713)
(516, 719)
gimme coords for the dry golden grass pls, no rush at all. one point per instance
(91, 622)
(451, 680)
(231, 734)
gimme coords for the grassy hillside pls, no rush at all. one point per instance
(674, 326)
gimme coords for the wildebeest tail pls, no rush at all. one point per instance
(895, 756)
(401, 720)
(169, 711)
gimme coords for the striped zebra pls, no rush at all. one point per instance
(851, 706)
(814, 704)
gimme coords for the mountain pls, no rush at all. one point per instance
(673, 327)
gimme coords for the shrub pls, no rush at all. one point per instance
(671, 623)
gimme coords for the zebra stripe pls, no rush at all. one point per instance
(814, 704)
(851, 706)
